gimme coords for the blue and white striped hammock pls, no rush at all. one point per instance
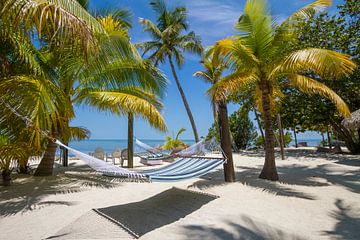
(180, 169)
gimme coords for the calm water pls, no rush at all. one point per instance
(109, 145)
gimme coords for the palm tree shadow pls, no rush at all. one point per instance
(348, 224)
(250, 230)
(27, 192)
(339, 158)
(289, 176)
(249, 177)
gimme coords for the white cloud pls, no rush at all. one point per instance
(212, 19)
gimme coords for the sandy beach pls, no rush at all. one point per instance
(316, 198)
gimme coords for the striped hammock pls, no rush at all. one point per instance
(181, 169)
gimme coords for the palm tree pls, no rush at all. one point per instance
(215, 66)
(114, 77)
(117, 22)
(174, 143)
(257, 57)
(214, 69)
(169, 43)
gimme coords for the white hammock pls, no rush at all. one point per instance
(195, 149)
(181, 169)
(146, 147)
(201, 148)
(103, 167)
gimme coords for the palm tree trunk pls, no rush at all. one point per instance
(258, 121)
(226, 141)
(281, 136)
(6, 177)
(65, 156)
(214, 111)
(46, 165)
(329, 138)
(188, 111)
(269, 170)
(130, 140)
(295, 137)
(323, 139)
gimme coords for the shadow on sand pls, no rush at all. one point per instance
(341, 158)
(27, 191)
(250, 230)
(162, 209)
(348, 225)
(321, 175)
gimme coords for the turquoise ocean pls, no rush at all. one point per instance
(109, 145)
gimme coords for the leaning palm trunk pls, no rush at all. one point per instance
(188, 111)
(226, 141)
(46, 165)
(269, 170)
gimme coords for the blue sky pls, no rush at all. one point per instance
(212, 20)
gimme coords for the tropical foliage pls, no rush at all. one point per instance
(169, 42)
(336, 32)
(257, 57)
(174, 143)
(242, 129)
(259, 142)
(97, 66)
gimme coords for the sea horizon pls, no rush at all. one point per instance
(89, 145)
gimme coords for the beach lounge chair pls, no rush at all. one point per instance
(116, 154)
(123, 156)
(99, 153)
(151, 156)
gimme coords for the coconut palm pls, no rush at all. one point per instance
(113, 78)
(215, 66)
(170, 42)
(214, 69)
(257, 58)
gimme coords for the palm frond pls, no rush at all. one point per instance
(311, 86)
(52, 18)
(77, 134)
(151, 28)
(230, 84)
(325, 63)
(235, 50)
(123, 102)
(181, 130)
(309, 10)
(191, 43)
(203, 75)
(38, 100)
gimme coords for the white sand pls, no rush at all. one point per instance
(317, 198)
